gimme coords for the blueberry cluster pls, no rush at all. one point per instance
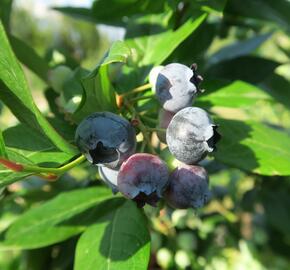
(109, 141)
(190, 133)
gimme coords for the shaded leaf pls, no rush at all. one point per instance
(238, 49)
(5, 11)
(253, 147)
(277, 210)
(119, 241)
(100, 13)
(278, 87)
(276, 11)
(251, 69)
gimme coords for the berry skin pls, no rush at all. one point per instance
(188, 187)
(109, 176)
(191, 135)
(106, 138)
(143, 178)
(176, 86)
(153, 76)
(164, 118)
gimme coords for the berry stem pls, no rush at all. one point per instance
(137, 89)
(141, 98)
(149, 119)
(157, 129)
(141, 126)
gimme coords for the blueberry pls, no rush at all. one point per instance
(143, 178)
(109, 176)
(153, 76)
(164, 118)
(176, 86)
(188, 187)
(191, 134)
(106, 138)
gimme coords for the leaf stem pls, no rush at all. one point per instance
(60, 170)
(49, 172)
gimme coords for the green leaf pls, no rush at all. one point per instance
(212, 5)
(246, 68)
(119, 52)
(115, 14)
(277, 210)
(5, 11)
(278, 87)
(8, 177)
(38, 149)
(238, 49)
(16, 95)
(99, 93)
(120, 241)
(42, 225)
(77, 12)
(276, 11)
(235, 94)
(149, 24)
(253, 147)
(188, 54)
(2, 146)
(154, 49)
(29, 58)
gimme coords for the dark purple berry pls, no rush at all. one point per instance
(176, 86)
(188, 187)
(143, 178)
(191, 134)
(106, 138)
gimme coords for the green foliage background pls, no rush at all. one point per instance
(242, 49)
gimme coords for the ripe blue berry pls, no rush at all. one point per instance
(176, 86)
(143, 178)
(109, 176)
(106, 138)
(191, 134)
(188, 187)
(153, 76)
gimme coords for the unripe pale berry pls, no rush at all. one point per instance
(191, 134)
(143, 178)
(188, 187)
(106, 138)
